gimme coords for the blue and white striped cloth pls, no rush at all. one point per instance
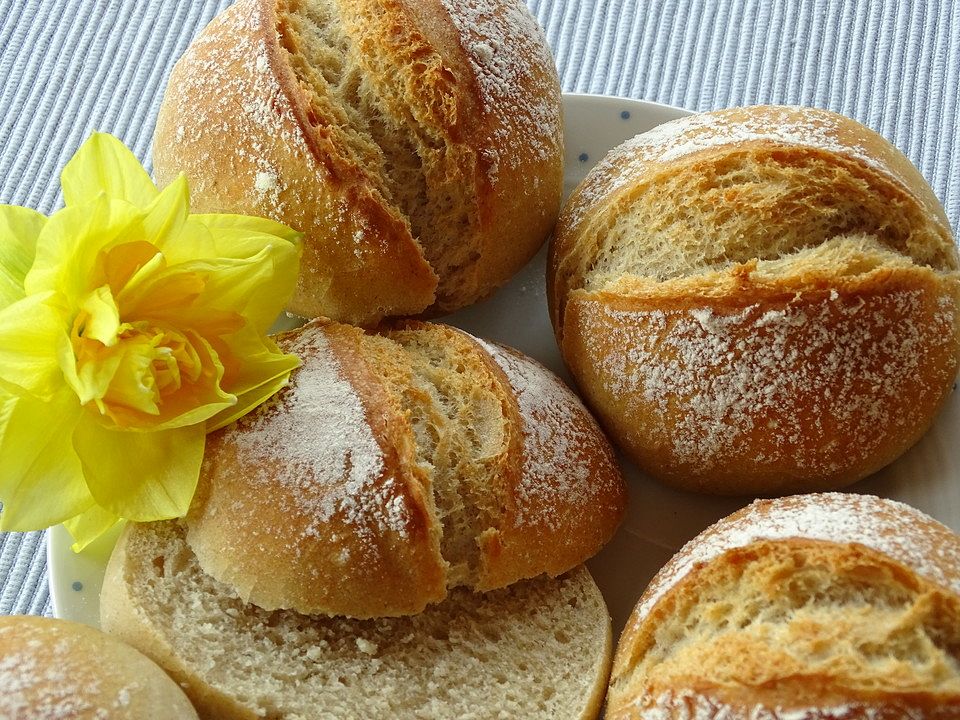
(70, 66)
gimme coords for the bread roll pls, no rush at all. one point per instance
(815, 607)
(538, 649)
(758, 300)
(55, 669)
(418, 144)
(398, 465)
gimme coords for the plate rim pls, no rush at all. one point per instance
(54, 562)
(595, 97)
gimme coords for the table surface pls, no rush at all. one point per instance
(68, 67)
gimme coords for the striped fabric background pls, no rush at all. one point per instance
(70, 66)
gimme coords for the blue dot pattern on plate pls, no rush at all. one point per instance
(583, 157)
(624, 114)
(77, 585)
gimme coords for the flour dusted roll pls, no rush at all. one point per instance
(398, 465)
(56, 669)
(815, 607)
(758, 300)
(417, 144)
(537, 649)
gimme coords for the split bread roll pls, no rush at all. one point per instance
(758, 300)
(398, 465)
(812, 607)
(538, 649)
(418, 144)
(55, 669)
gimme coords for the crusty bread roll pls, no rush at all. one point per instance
(538, 649)
(398, 465)
(417, 143)
(758, 300)
(812, 607)
(55, 669)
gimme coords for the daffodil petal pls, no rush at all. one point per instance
(67, 360)
(140, 476)
(92, 380)
(163, 295)
(103, 316)
(121, 374)
(228, 283)
(156, 264)
(253, 360)
(194, 240)
(70, 243)
(256, 288)
(19, 228)
(248, 401)
(30, 334)
(167, 214)
(261, 370)
(267, 294)
(196, 401)
(41, 480)
(233, 232)
(88, 526)
(242, 237)
(103, 164)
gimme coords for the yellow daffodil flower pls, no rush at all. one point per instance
(128, 329)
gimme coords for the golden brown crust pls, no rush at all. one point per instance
(791, 702)
(323, 502)
(682, 145)
(806, 383)
(815, 606)
(565, 496)
(235, 83)
(519, 151)
(762, 373)
(335, 520)
(52, 669)
(427, 66)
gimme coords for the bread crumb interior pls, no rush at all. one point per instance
(769, 206)
(356, 93)
(772, 612)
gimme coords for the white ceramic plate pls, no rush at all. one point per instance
(659, 520)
